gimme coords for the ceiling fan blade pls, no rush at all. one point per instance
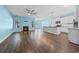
(28, 11)
(32, 10)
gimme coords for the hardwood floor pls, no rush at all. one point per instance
(37, 42)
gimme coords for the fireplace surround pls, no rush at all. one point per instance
(25, 28)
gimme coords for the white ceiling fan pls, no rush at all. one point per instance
(30, 11)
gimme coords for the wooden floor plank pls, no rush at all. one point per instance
(38, 42)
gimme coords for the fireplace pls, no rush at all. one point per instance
(25, 28)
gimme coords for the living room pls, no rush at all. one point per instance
(39, 28)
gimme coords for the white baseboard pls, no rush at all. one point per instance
(5, 37)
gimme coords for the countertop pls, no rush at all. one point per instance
(74, 28)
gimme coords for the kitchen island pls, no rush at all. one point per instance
(55, 30)
(73, 35)
(51, 29)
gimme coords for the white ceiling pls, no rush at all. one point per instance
(42, 10)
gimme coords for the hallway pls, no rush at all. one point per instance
(37, 42)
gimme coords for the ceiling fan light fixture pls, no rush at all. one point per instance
(29, 14)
